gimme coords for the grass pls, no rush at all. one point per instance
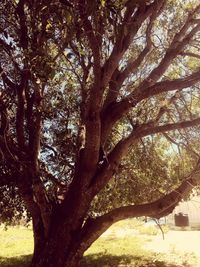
(16, 247)
(127, 251)
(123, 250)
(110, 250)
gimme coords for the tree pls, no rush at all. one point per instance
(89, 89)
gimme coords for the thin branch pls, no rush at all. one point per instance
(178, 144)
(190, 54)
(92, 38)
(6, 80)
(5, 46)
(163, 109)
(50, 148)
(133, 64)
(23, 27)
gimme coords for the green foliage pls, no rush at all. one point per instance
(57, 56)
(148, 168)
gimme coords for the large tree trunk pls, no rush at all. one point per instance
(70, 236)
(60, 250)
(61, 247)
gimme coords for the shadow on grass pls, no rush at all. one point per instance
(21, 261)
(102, 260)
(97, 260)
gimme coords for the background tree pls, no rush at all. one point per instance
(98, 102)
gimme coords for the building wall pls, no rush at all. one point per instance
(191, 208)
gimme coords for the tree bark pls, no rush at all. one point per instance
(58, 250)
(60, 247)
(39, 240)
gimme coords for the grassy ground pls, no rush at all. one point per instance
(16, 247)
(111, 250)
(127, 251)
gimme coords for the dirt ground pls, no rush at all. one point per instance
(180, 247)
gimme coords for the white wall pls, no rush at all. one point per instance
(191, 207)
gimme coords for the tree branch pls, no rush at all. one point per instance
(23, 27)
(93, 228)
(5, 46)
(21, 111)
(121, 149)
(122, 107)
(149, 87)
(177, 84)
(93, 41)
(7, 81)
(145, 129)
(123, 40)
(119, 77)
(178, 144)
(190, 54)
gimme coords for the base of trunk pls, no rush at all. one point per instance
(56, 254)
(46, 262)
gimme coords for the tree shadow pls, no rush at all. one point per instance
(20, 261)
(97, 260)
(108, 260)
